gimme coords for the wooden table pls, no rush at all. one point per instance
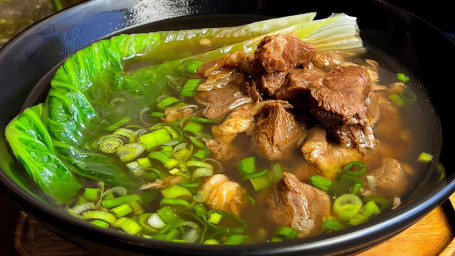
(432, 235)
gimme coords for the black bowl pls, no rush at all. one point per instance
(31, 58)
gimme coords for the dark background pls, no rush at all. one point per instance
(436, 12)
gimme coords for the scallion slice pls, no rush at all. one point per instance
(130, 151)
(247, 166)
(347, 206)
(109, 203)
(320, 182)
(155, 138)
(177, 191)
(189, 88)
(128, 225)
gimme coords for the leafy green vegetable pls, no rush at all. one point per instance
(33, 147)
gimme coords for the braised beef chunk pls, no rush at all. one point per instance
(221, 101)
(328, 60)
(326, 156)
(250, 88)
(340, 104)
(244, 62)
(298, 85)
(389, 179)
(220, 79)
(298, 205)
(343, 92)
(354, 135)
(271, 82)
(283, 52)
(275, 130)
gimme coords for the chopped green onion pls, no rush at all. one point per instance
(344, 184)
(276, 172)
(80, 208)
(381, 202)
(191, 235)
(121, 191)
(258, 174)
(197, 142)
(357, 219)
(174, 202)
(236, 239)
(109, 203)
(199, 164)
(200, 196)
(136, 206)
(397, 100)
(247, 166)
(200, 210)
(91, 194)
(202, 120)
(211, 241)
(424, 157)
(144, 162)
(155, 138)
(189, 88)
(261, 182)
(235, 225)
(167, 102)
(143, 222)
(122, 210)
(193, 127)
(177, 191)
(347, 206)
(135, 168)
(167, 215)
(157, 114)
(171, 235)
(215, 218)
(192, 68)
(127, 133)
(117, 124)
(201, 154)
(168, 150)
(356, 188)
(286, 232)
(370, 209)
(320, 182)
(202, 172)
(100, 223)
(128, 225)
(100, 215)
(129, 152)
(355, 169)
(57, 5)
(402, 77)
(332, 225)
(160, 156)
(408, 96)
(155, 221)
(110, 143)
(153, 174)
(172, 131)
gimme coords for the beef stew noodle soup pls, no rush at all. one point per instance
(286, 141)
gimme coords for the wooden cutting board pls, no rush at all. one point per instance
(432, 235)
